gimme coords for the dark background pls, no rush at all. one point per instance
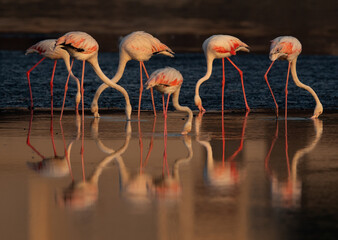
(181, 24)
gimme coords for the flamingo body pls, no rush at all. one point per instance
(51, 167)
(139, 46)
(288, 48)
(82, 46)
(169, 81)
(47, 49)
(165, 80)
(220, 47)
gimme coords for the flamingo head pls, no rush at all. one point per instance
(198, 103)
(277, 53)
(128, 112)
(186, 128)
(318, 110)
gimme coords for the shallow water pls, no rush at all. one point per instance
(258, 178)
(319, 72)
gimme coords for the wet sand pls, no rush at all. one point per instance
(249, 181)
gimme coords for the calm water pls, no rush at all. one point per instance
(258, 179)
(319, 72)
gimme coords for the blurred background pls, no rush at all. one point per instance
(181, 24)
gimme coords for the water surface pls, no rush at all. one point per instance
(257, 178)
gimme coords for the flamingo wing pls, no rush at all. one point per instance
(227, 44)
(166, 76)
(143, 42)
(42, 47)
(79, 41)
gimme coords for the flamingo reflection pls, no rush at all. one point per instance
(221, 174)
(168, 185)
(84, 194)
(135, 186)
(288, 193)
(55, 166)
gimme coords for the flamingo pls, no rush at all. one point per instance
(81, 195)
(84, 47)
(289, 48)
(139, 46)
(46, 49)
(169, 81)
(220, 46)
(288, 193)
(55, 166)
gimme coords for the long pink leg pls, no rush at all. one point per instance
(66, 152)
(82, 139)
(287, 147)
(151, 89)
(267, 82)
(66, 88)
(223, 139)
(51, 88)
(165, 134)
(223, 84)
(141, 90)
(267, 158)
(166, 109)
(29, 82)
(151, 144)
(141, 146)
(52, 136)
(165, 158)
(286, 91)
(232, 157)
(223, 132)
(163, 105)
(28, 137)
(241, 74)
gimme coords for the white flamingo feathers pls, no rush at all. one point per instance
(84, 47)
(220, 46)
(47, 49)
(139, 46)
(169, 81)
(287, 47)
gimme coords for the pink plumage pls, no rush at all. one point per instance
(288, 48)
(285, 47)
(220, 47)
(141, 46)
(167, 79)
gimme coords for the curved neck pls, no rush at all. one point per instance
(210, 158)
(95, 64)
(210, 60)
(66, 59)
(187, 144)
(182, 108)
(115, 155)
(318, 124)
(118, 75)
(300, 84)
(124, 58)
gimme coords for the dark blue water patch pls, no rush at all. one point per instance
(319, 72)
